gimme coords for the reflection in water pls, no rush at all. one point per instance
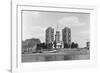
(39, 58)
(48, 58)
(66, 57)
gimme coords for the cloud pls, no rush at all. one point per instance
(71, 21)
(34, 32)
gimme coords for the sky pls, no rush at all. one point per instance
(34, 24)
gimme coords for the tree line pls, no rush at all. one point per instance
(49, 46)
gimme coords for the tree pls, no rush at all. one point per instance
(43, 45)
(66, 45)
(76, 45)
(50, 45)
(72, 45)
(38, 49)
(55, 44)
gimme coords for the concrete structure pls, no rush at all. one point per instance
(30, 45)
(49, 35)
(66, 35)
(59, 44)
(57, 37)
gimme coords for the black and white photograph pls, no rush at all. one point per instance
(54, 36)
(51, 36)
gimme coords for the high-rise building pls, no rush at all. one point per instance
(59, 43)
(57, 36)
(66, 35)
(49, 35)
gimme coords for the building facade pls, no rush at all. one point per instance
(57, 40)
(57, 37)
(30, 45)
(49, 35)
(66, 35)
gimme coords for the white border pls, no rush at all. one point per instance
(17, 66)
